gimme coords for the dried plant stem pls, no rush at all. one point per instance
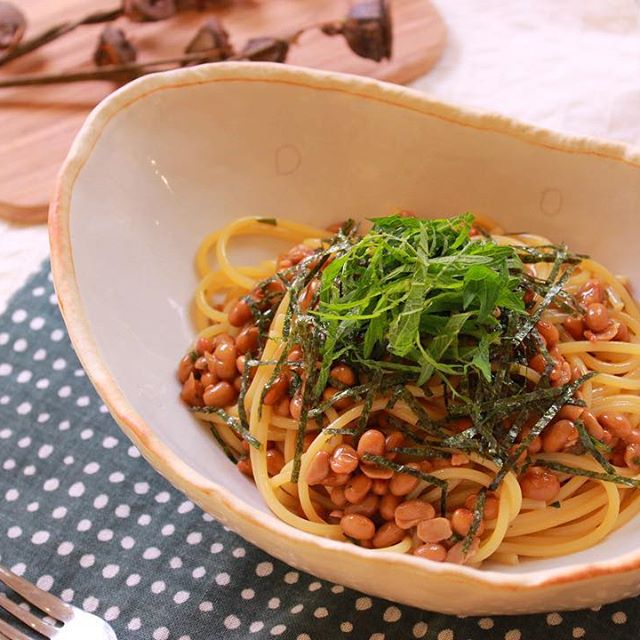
(131, 70)
(53, 33)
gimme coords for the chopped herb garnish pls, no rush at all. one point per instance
(555, 505)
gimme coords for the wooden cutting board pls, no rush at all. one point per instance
(37, 124)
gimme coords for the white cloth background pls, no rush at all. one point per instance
(571, 65)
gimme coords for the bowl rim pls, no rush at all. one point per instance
(158, 454)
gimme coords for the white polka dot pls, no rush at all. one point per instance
(485, 623)
(64, 392)
(25, 442)
(24, 408)
(161, 633)
(87, 560)
(76, 490)
(116, 477)
(105, 535)
(5, 369)
(247, 594)
(151, 553)
(14, 532)
(33, 506)
(101, 501)
(64, 425)
(175, 562)
(420, 629)
(109, 442)
(264, 569)
(239, 552)
(185, 507)
(43, 417)
(83, 401)
(79, 373)
(321, 612)
(376, 636)
(133, 452)
(181, 597)
(619, 617)
(578, 632)
(133, 580)
(91, 468)
(45, 583)
(296, 608)
(67, 595)
(163, 497)
(256, 626)
(45, 451)
(223, 579)
(206, 606)
(337, 588)
(65, 548)
(110, 571)
(168, 530)
(85, 434)
(20, 345)
(158, 586)
(84, 525)
(392, 614)
(134, 624)
(199, 572)
(29, 470)
(19, 568)
(513, 634)
(59, 512)
(68, 460)
(57, 335)
(5, 399)
(194, 537)
(315, 586)
(59, 364)
(11, 495)
(36, 323)
(37, 292)
(141, 488)
(232, 622)
(111, 613)
(362, 604)
(40, 537)
(9, 464)
(123, 511)
(554, 619)
(207, 517)
(346, 627)
(40, 355)
(278, 630)
(5, 433)
(273, 603)
(90, 604)
(144, 519)
(445, 634)
(18, 316)
(24, 376)
(4, 338)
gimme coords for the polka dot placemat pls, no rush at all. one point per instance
(85, 517)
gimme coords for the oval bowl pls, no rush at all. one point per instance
(173, 156)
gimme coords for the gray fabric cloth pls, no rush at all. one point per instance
(84, 516)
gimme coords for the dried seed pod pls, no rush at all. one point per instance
(367, 29)
(12, 25)
(113, 48)
(212, 38)
(149, 10)
(266, 49)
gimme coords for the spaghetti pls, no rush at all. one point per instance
(434, 387)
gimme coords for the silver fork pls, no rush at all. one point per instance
(76, 624)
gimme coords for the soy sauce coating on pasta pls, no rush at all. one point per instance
(434, 387)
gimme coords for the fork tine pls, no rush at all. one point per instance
(11, 633)
(41, 599)
(28, 618)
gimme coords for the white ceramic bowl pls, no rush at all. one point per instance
(173, 156)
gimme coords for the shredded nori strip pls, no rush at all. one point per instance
(478, 514)
(233, 423)
(614, 478)
(223, 445)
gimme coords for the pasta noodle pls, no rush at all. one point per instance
(324, 468)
